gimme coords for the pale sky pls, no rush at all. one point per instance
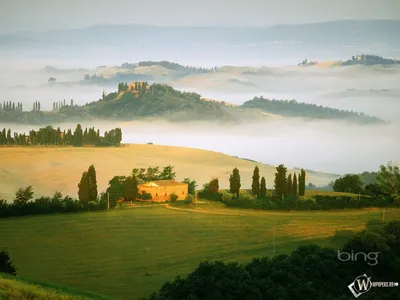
(38, 15)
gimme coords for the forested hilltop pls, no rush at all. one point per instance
(140, 100)
(369, 60)
(297, 109)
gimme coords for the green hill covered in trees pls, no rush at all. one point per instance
(297, 109)
(140, 100)
(370, 60)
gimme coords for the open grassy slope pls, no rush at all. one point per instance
(49, 169)
(130, 252)
(15, 288)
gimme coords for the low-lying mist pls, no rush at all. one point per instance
(326, 146)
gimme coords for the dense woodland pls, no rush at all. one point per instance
(51, 136)
(142, 100)
(296, 109)
(369, 60)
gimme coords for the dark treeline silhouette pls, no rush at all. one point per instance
(310, 272)
(289, 192)
(293, 108)
(60, 104)
(369, 60)
(50, 136)
(175, 66)
(11, 106)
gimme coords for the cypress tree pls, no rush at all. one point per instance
(255, 186)
(131, 190)
(92, 183)
(263, 188)
(78, 136)
(290, 186)
(83, 189)
(302, 182)
(234, 182)
(280, 181)
(295, 191)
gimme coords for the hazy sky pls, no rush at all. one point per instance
(18, 15)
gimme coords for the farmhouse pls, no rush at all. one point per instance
(161, 190)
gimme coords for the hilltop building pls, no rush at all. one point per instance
(160, 190)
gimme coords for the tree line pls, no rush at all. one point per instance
(51, 136)
(310, 272)
(293, 108)
(385, 182)
(60, 104)
(11, 106)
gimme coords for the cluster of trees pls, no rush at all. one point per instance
(36, 106)
(24, 204)
(285, 186)
(386, 182)
(297, 109)
(175, 66)
(60, 104)
(50, 136)
(309, 272)
(11, 106)
(127, 186)
(369, 60)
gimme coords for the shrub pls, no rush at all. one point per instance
(189, 199)
(145, 196)
(173, 197)
(226, 196)
(245, 195)
(6, 265)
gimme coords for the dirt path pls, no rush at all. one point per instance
(204, 211)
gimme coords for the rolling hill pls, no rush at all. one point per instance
(140, 100)
(49, 169)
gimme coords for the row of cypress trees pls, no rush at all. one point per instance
(50, 136)
(291, 186)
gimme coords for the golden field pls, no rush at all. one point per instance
(50, 169)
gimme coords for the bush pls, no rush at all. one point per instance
(189, 199)
(226, 196)
(173, 197)
(245, 195)
(145, 196)
(6, 265)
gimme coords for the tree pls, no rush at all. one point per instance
(78, 136)
(280, 181)
(234, 182)
(294, 189)
(302, 182)
(167, 173)
(255, 186)
(263, 188)
(92, 183)
(213, 186)
(83, 189)
(23, 195)
(350, 183)
(191, 186)
(6, 265)
(131, 190)
(290, 186)
(389, 179)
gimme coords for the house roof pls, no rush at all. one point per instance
(163, 183)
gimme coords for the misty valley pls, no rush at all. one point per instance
(178, 162)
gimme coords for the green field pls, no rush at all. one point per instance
(128, 253)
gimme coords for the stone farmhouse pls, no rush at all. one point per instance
(160, 190)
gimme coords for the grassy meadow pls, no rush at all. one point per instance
(126, 253)
(50, 169)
